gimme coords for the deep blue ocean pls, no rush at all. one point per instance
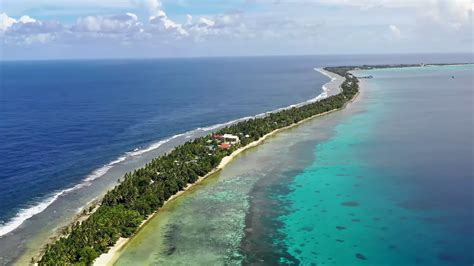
(60, 121)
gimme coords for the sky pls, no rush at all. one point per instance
(60, 29)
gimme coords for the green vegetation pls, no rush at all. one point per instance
(144, 191)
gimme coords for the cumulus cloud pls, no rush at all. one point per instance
(27, 30)
(160, 20)
(286, 21)
(6, 21)
(126, 23)
(221, 25)
(27, 19)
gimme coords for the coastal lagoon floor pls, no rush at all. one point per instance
(387, 181)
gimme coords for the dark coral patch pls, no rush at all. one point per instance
(340, 227)
(350, 203)
(360, 256)
(307, 228)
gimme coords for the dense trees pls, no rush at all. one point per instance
(145, 190)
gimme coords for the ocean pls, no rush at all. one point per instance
(387, 181)
(70, 129)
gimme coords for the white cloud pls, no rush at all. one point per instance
(162, 22)
(228, 25)
(159, 19)
(27, 30)
(27, 19)
(206, 22)
(6, 21)
(288, 22)
(153, 7)
(395, 31)
(117, 24)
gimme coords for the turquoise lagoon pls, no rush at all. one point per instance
(387, 181)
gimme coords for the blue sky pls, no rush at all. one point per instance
(32, 29)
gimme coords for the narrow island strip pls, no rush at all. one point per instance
(129, 205)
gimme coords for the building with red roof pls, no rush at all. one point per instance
(217, 136)
(225, 146)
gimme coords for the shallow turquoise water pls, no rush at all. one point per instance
(364, 202)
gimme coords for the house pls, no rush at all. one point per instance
(217, 136)
(225, 146)
(231, 138)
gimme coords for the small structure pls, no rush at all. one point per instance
(225, 146)
(217, 136)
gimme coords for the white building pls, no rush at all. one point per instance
(231, 138)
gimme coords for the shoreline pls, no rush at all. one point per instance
(332, 87)
(112, 255)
